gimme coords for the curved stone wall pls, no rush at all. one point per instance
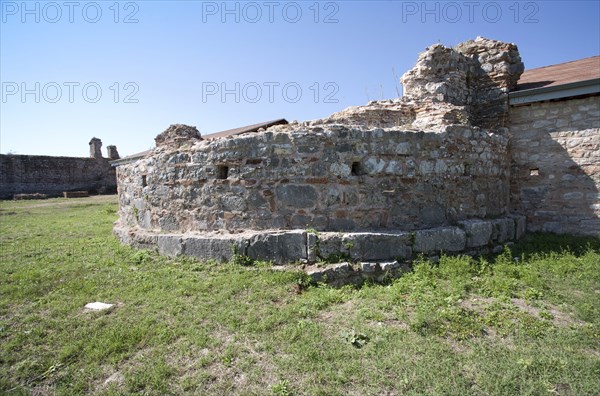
(326, 177)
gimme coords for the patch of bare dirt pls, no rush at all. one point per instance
(337, 311)
(560, 318)
(477, 304)
(457, 346)
(394, 323)
(247, 369)
(116, 378)
(43, 390)
(592, 352)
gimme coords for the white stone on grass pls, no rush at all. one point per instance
(98, 306)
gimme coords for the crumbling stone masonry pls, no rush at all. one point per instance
(337, 178)
(376, 184)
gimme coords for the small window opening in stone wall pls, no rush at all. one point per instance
(356, 169)
(534, 172)
(144, 181)
(222, 172)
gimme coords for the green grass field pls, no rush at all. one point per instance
(526, 322)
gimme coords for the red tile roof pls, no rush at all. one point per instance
(563, 73)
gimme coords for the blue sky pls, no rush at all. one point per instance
(125, 71)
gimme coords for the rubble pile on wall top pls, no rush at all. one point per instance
(177, 135)
(465, 85)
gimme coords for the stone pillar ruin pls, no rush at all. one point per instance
(95, 146)
(112, 153)
(475, 75)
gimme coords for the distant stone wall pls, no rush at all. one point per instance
(28, 174)
(555, 175)
(328, 177)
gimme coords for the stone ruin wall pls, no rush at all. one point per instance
(436, 170)
(330, 178)
(30, 174)
(555, 174)
(421, 174)
(40, 174)
(365, 168)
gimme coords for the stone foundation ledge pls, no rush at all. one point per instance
(470, 237)
(347, 273)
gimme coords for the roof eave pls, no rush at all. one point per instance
(123, 161)
(577, 88)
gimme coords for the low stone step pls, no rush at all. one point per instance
(346, 273)
(76, 194)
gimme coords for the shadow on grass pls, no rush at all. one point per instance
(546, 243)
